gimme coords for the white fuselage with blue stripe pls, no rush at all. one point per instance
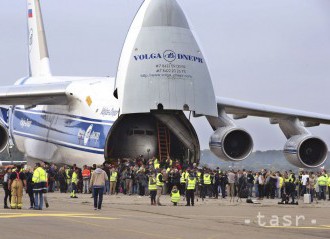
(69, 134)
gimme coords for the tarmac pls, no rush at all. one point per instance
(133, 217)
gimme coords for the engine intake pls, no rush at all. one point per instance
(306, 151)
(231, 143)
(3, 137)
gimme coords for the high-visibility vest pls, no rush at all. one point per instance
(183, 178)
(322, 181)
(74, 178)
(86, 173)
(291, 180)
(281, 181)
(39, 175)
(328, 182)
(113, 177)
(191, 184)
(199, 174)
(207, 179)
(156, 164)
(175, 197)
(158, 182)
(152, 184)
(67, 172)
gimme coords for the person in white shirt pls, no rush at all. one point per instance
(304, 178)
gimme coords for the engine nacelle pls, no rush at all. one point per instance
(3, 137)
(306, 151)
(231, 143)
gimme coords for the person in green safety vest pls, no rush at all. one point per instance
(183, 179)
(156, 162)
(190, 189)
(159, 184)
(328, 183)
(39, 179)
(152, 187)
(113, 180)
(74, 183)
(290, 187)
(207, 183)
(68, 174)
(323, 182)
(175, 196)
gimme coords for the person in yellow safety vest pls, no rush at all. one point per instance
(159, 184)
(169, 162)
(290, 187)
(190, 192)
(323, 182)
(17, 182)
(207, 184)
(156, 163)
(74, 183)
(175, 196)
(113, 180)
(281, 182)
(39, 179)
(199, 174)
(183, 179)
(68, 177)
(199, 182)
(329, 187)
(152, 187)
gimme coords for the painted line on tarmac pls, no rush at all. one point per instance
(87, 216)
(325, 226)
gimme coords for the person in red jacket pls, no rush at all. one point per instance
(86, 174)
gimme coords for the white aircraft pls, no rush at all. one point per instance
(162, 76)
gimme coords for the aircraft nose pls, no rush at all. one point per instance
(163, 13)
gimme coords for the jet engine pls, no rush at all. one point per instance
(231, 143)
(305, 151)
(3, 137)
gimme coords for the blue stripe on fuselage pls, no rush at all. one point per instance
(62, 129)
(65, 115)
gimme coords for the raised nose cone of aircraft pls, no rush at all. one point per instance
(161, 65)
(164, 13)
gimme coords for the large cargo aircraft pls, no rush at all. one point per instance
(162, 77)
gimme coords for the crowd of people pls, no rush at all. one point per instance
(153, 178)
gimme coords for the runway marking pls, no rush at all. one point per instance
(22, 215)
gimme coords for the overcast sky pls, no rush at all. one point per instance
(273, 52)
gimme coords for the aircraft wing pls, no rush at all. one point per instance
(35, 94)
(242, 109)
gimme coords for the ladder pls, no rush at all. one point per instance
(163, 141)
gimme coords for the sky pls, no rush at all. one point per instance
(274, 52)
